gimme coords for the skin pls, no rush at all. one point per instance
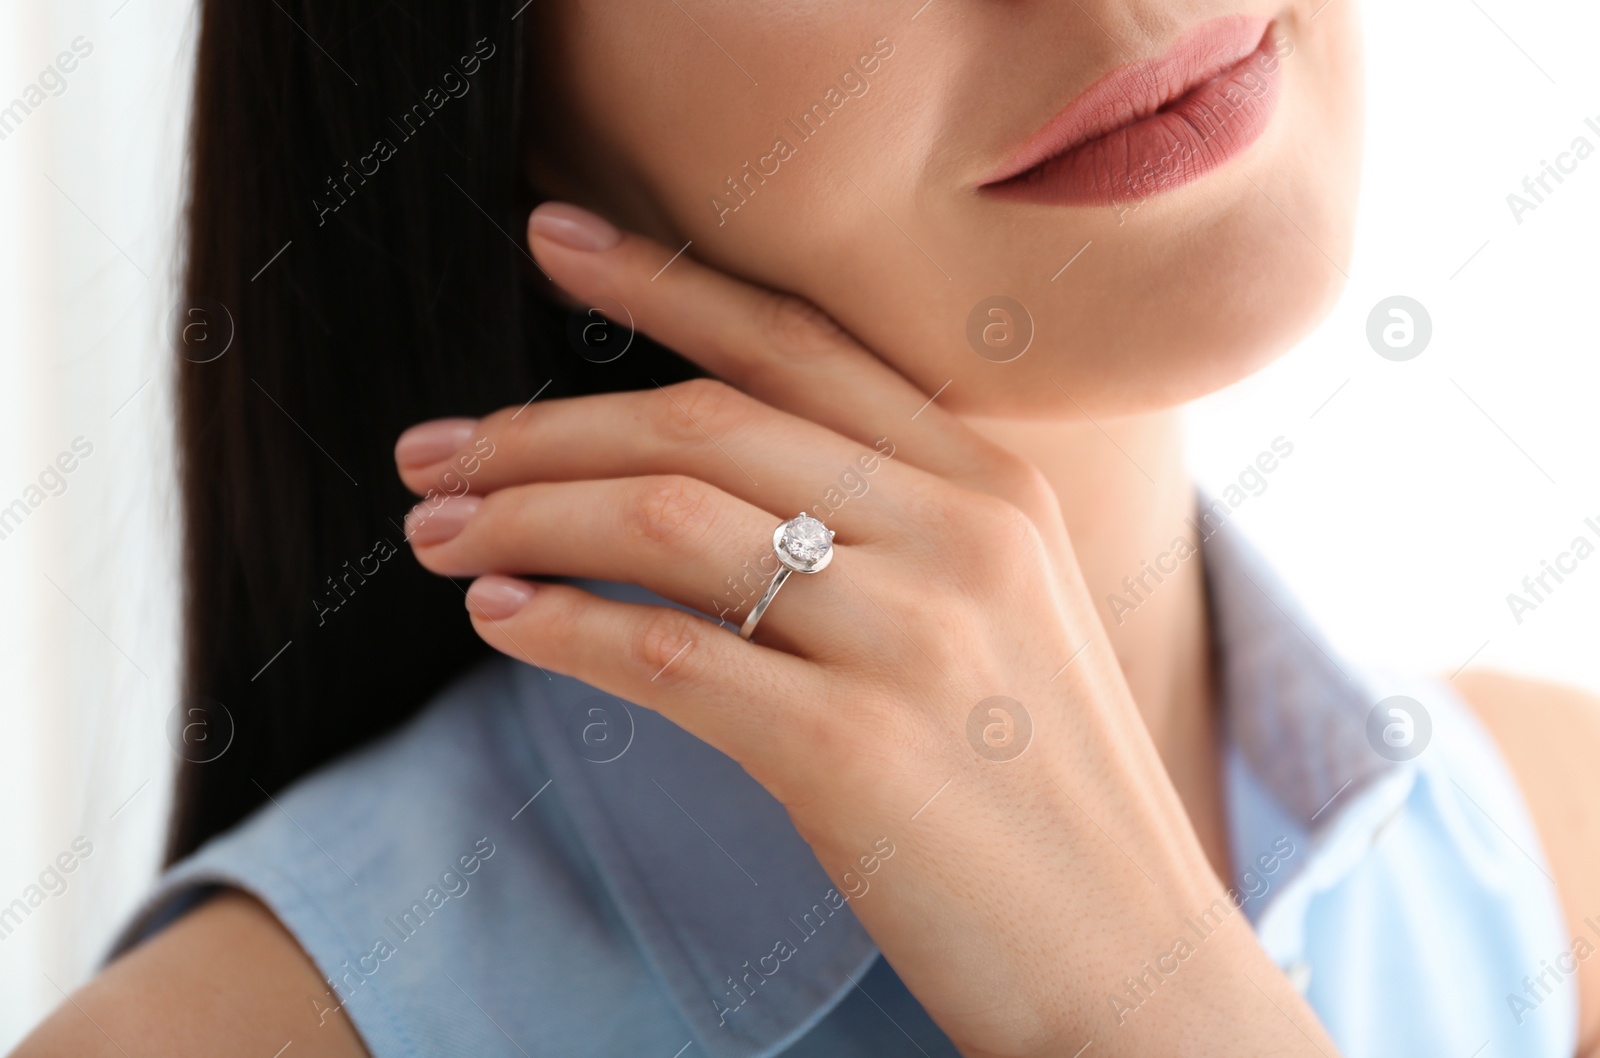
(1004, 514)
(1133, 326)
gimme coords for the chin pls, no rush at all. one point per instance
(1203, 318)
(1192, 291)
(1148, 322)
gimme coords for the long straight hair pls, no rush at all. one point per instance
(354, 218)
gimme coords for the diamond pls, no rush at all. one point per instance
(805, 540)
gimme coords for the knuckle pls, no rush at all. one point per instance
(992, 516)
(993, 537)
(1026, 486)
(670, 511)
(663, 644)
(800, 327)
(713, 404)
(805, 339)
(690, 410)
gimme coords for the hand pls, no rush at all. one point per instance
(1008, 909)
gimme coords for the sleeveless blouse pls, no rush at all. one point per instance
(532, 867)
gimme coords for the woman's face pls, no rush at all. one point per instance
(857, 152)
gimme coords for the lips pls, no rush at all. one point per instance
(1155, 124)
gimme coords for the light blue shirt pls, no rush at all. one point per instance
(531, 867)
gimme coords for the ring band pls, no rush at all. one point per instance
(803, 545)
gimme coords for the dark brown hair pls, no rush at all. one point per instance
(355, 208)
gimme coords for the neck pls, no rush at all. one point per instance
(1125, 495)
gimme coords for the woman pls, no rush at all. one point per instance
(1031, 757)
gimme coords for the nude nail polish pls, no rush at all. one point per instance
(431, 442)
(574, 228)
(427, 526)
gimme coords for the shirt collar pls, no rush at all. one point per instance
(1307, 795)
(1293, 709)
(709, 875)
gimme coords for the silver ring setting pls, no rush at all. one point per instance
(803, 545)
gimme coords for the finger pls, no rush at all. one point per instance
(678, 536)
(733, 694)
(778, 348)
(703, 428)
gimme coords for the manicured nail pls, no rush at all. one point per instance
(434, 525)
(427, 443)
(574, 228)
(498, 597)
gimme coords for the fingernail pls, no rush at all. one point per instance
(574, 228)
(434, 525)
(497, 597)
(427, 443)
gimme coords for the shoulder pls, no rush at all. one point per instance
(249, 969)
(225, 979)
(1550, 737)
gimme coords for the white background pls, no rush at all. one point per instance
(1423, 492)
(1418, 496)
(88, 190)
